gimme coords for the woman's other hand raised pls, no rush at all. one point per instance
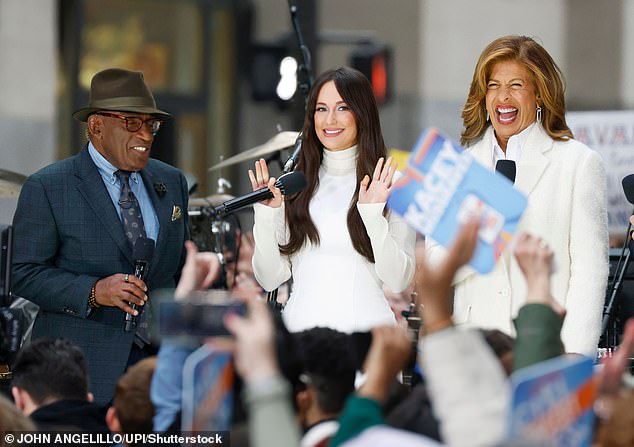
(377, 190)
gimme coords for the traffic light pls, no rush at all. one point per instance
(265, 70)
(375, 62)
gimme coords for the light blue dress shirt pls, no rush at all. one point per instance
(107, 170)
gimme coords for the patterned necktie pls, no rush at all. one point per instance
(134, 228)
(131, 216)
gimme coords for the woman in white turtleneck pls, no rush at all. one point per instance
(335, 238)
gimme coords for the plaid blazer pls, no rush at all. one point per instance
(68, 235)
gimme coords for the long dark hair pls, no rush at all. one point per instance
(356, 91)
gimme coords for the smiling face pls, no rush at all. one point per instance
(128, 151)
(511, 100)
(335, 124)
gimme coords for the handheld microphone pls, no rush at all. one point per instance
(506, 168)
(297, 148)
(142, 254)
(288, 183)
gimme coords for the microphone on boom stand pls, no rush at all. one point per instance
(622, 265)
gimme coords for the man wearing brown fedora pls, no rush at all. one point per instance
(77, 223)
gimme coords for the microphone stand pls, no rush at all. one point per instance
(305, 69)
(414, 323)
(305, 80)
(616, 286)
(277, 158)
(217, 229)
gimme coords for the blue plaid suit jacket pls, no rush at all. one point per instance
(68, 235)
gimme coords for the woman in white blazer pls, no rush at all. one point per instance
(516, 110)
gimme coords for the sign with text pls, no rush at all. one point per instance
(443, 186)
(208, 398)
(611, 134)
(552, 402)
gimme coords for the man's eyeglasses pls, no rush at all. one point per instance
(134, 123)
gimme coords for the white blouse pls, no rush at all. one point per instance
(333, 285)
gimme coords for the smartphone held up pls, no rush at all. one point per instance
(196, 317)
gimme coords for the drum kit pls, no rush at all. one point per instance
(222, 234)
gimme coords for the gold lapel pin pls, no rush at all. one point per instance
(176, 213)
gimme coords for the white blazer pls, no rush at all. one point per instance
(566, 185)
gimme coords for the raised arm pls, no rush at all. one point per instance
(392, 240)
(465, 380)
(539, 321)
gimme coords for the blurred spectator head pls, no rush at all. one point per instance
(287, 350)
(132, 410)
(327, 373)
(48, 370)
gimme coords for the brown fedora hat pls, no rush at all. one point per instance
(119, 90)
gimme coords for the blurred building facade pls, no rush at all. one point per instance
(194, 54)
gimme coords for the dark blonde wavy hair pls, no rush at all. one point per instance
(356, 91)
(546, 77)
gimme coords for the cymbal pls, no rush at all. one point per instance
(212, 200)
(280, 141)
(10, 183)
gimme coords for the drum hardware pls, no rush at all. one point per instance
(414, 323)
(212, 233)
(218, 228)
(281, 140)
(223, 185)
(218, 235)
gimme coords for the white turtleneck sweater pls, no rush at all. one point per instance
(333, 285)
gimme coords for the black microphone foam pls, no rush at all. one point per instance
(291, 182)
(628, 187)
(506, 168)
